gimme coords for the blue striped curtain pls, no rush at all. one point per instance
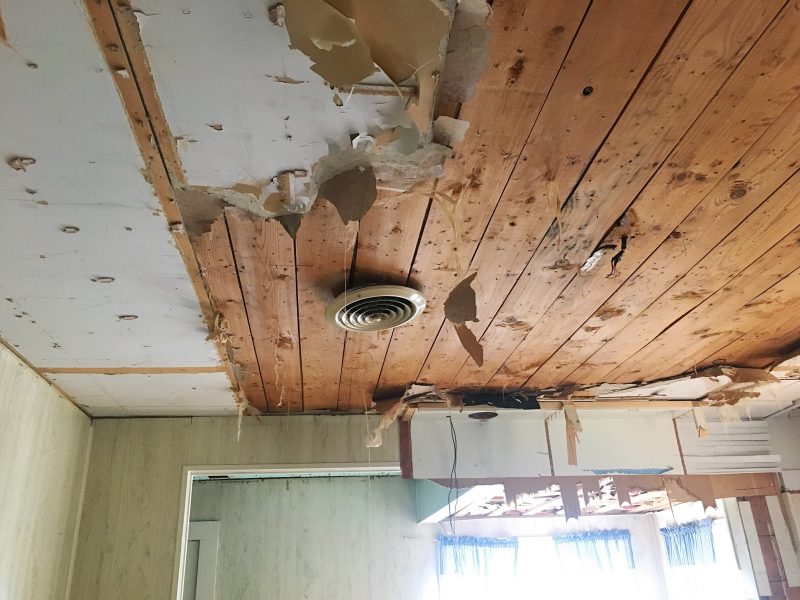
(689, 544)
(600, 550)
(475, 555)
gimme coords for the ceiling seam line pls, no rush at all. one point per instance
(655, 171)
(299, 332)
(408, 281)
(349, 277)
(244, 306)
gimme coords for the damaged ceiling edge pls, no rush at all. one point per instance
(152, 136)
(410, 150)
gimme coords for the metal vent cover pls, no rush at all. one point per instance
(375, 308)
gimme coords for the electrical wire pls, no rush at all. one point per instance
(453, 479)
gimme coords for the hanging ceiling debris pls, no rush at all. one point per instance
(618, 179)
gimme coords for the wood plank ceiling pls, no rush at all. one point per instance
(660, 137)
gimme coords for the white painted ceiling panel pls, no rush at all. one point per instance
(172, 394)
(217, 63)
(66, 114)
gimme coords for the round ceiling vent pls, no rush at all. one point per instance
(375, 308)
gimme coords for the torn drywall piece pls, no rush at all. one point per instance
(290, 223)
(330, 40)
(699, 487)
(375, 437)
(573, 426)
(352, 192)
(461, 305)
(739, 374)
(406, 39)
(448, 131)
(700, 422)
(199, 209)
(470, 343)
(20, 163)
(467, 51)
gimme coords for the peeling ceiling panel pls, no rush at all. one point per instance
(84, 245)
(242, 104)
(172, 394)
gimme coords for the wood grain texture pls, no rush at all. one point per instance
(218, 269)
(612, 51)
(747, 104)
(313, 519)
(324, 257)
(129, 527)
(737, 212)
(763, 289)
(387, 241)
(44, 444)
(528, 45)
(264, 255)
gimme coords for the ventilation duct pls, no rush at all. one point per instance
(375, 308)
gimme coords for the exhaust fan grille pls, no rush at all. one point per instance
(375, 308)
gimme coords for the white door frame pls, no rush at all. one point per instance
(296, 469)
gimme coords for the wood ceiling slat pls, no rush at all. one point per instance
(528, 44)
(613, 49)
(764, 345)
(264, 255)
(387, 239)
(324, 248)
(766, 288)
(746, 188)
(213, 251)
(743, 109)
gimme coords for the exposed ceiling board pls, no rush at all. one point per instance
(134, 394)
(219, 64)
(87, 175)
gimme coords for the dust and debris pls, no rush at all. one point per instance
(448, 131)
(352, 192)
(20, 163)
(595, 258)
(127, 317)
(103, 279)
(277, 15)
(215, 126)
(285, 79)
(337, 100)
(122, 72)
(467, 51)
(221, 333)
(70, 229)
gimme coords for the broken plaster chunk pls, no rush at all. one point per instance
(277, 15)
(20, 163)
(352, 192)
(330, 40)
(448, 131)
(461, 305)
